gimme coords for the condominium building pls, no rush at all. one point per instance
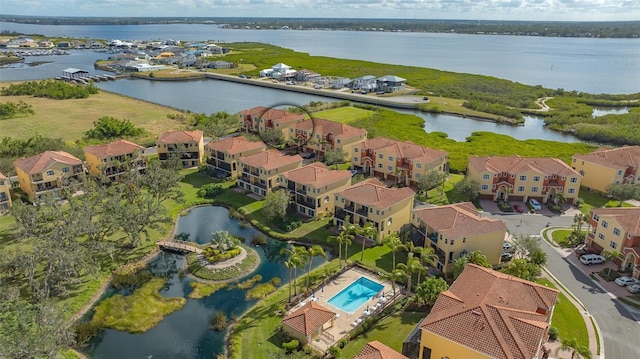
(319, 135)
(223, 155)
(47, 172)
(261, 171)
(187, 145)
(5, 195)
(262, 119)
(607, 166)
(114, 158)
(617, 229)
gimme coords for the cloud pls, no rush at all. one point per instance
(430, 9)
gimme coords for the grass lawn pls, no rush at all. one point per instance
(346, 114)
(567, 318)
(391, 331)
(596, 200)
(560, 237)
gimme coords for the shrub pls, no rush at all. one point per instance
(209, 190)
(553, 333)
(291, 346)
(334, 351)
(276, 281)
(342, 343)
(84, 331)
(219, 321)
(259, 239)
(108, 127)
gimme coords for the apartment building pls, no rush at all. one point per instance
(188, 145)
(608, 165)
(617, 229)
(223, 155)
(5, 195)
(262, 119)
(47, 172)
(319, 135)
(115, 158)
(261, 171)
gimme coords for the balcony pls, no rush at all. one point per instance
(340, 213)
(261, 185)
(305, 202)
(364, 212)
(349, 209)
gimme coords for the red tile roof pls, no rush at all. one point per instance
(38, 163)
(308, 318)
(256, 111)
(3, 176)
(372, 192)
(235, 145)
(325, 127)
(270, 159)
(317, 175)
(493, 313)
(459, 220)
(180, 136)
(626, 156)
(407, 150)
(517, 164)
(628, 217)
(115, 148)
(377, 350)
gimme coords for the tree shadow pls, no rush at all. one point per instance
(196, 179)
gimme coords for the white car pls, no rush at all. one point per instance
(590, 259)
(625, 281)
(508, 247)
(535, 204)
(635, 288)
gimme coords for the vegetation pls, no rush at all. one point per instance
(107, 128)
(58, 90)
(215, 125)
(131, 275)
(260, 291)
(201, 290)
(210, 190)
(567, 318)
(219, 321)
(276, 203)
(226, 273)
(624, 191)
(249, 282)
(13, 109)
(138, 312)
(12, 148)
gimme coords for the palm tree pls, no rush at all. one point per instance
(368, 232)
(395, 276)
(311, 252)
(413, 266)
(428, 258)
(343, 238)
(292, 262)
(394, 243)
(609, 255)
(476, 257)
(577, 350)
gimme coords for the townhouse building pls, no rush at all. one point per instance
(389, 209)
(319, 135)
(115, 158)
(515, 178)
(46, 172)
(261, 171)
(187, 146)
(224, 155)
(606, 166)
(262, 119)
(617, 229)
(313, 187)
(5, 194)
(403, 162)
(455, 230)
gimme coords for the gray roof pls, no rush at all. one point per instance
(73, 70)
(391, 78)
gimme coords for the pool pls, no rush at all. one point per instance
(355, 295)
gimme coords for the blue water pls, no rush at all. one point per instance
(355, 295)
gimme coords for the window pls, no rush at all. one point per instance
(520, 188)
(563, 178)
(355, 159)
(574, 180)
(379, 165)
(601, 236)
(380, 156)
(486, 176)
(355, 150)
(452, 242)
(596, 217)
(417, 175)
(446, 241)
(620, 173)
(389, 168)
(534, 189)
(377, 212)
(65, 170)
(605, 224)
(571, 190)
(494, 186)
(418, 165)
(50, 173)
(616, 231)
(513, 175)
(464, 240)
(523, 178)
(484, 187)
(536, 178)
(390, 158)
(613, 244)
(338, 141)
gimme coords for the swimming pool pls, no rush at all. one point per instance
(356, 294)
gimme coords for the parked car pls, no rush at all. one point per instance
(625, 281)
(634, 288)
(506, 256)
(353, 172)
(508, 247)
(518, 208)
(308, 155)
(590, 259)
(535, 204)
(317, 87)
(242, 76)
(580, 251)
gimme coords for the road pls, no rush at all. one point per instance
(619, 327)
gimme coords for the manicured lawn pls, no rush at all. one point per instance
(596, 200)
(345, 114)
(560, 237)
(391, 331)
(567, 318)
(434, 196)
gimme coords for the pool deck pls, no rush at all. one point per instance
(346, 322)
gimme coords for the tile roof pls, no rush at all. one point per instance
(38, 163)
(325, 127)
(180, 136)
(273, 114)
(3, 176)
(115, 148)
(235, 145)
(493, 313)
(627, 217)
(372, 192)
(626, 156)
(517, 164)
(377, 350)
(317, 175)
(459, 220)
(254, 111)
(407, 150)
(270, 159)
(308, 318)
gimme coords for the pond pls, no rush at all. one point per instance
(186, 333)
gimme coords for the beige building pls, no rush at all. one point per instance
(5, 194)
(516, 178)
(308, 322)
(47, 172)
(114, 158)
(223, 155)
(488, 314)
(261, 119)
(617, 229)
(261, 171)
(189, 143)
(312, 187)
(403, 162)
(455, 230)
(608, 165)
(371, 201)
(319, 135)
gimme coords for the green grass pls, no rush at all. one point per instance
(346, 114)
(391, 331)
(596, 200)
(567, 318)
(201, 290)
(138, 312)
(560, 237)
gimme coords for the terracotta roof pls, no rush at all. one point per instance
(308, 318)
(270, 159)
(115, 148)
(493, 313)
(273, 114)
(407, 150)
(3, 176)
(372, 192)
(459, 220)
(180, 136)
(517, 164)
(627, 217)
(317, 175)
(626, 156)
(377, 350)
(325, 127)
(38, 163)
(254, 111)
(235, 145)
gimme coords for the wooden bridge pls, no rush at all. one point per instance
(178, 246)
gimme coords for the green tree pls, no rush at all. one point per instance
(624, 191)
(466, 190)
(311, 252)
(394, 243)
(428, 258)
(609, 255)
(369, 231)
(577, 350)
(276, 204)
(292, 262)
(334, 156)
(344, 237)
(431, 180)
(413, 266)
(396, 275)
(108, 127)
(522, 268)
(217, 124)
(161, 183)
(457, 266)
(428, 291)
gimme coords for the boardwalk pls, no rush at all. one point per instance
(179, 246)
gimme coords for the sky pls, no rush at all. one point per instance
(538, 10)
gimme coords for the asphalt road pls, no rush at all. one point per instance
(619, 327)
